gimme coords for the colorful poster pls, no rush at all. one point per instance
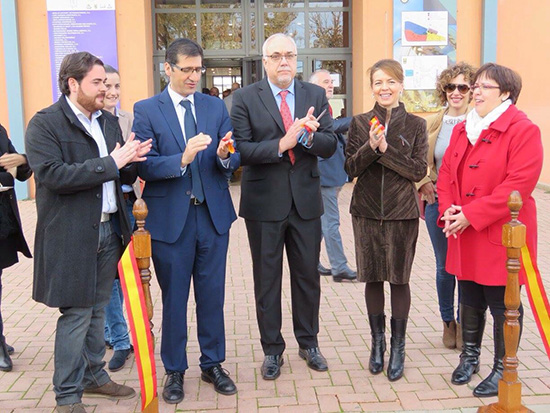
(81, 26)
(424, 41)
(424, 28)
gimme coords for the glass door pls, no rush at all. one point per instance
(222, 74)
(340, 70)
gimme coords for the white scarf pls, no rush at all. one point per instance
(476, 124)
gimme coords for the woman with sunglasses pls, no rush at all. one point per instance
(453, 90)
(386, 151)
(496, 151)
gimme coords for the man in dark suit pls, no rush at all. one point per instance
(190, 212)
(80, 161)
(281, 196)
(333, 177)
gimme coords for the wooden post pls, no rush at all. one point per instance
(509, 387)
(142, 251)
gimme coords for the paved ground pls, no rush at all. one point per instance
(344, 340)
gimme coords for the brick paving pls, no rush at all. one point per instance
(344, 339)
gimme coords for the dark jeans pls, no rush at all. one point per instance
(79, 344)
(444, 281)
(116, 328)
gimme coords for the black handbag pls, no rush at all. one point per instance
(8, 221)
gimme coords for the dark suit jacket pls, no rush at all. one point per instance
(69, 175)
(270, 183)
(167, 192)
(15, 242)
(332, 169)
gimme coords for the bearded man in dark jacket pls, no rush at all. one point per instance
(80, 162)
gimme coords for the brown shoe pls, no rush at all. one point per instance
(111, 390)
(71, 408)
(459, 342)
(449, 334)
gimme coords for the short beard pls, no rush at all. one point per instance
(88, 102)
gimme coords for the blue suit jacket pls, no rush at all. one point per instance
(167, 193)
(332, 169)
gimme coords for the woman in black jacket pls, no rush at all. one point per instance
(12, 165)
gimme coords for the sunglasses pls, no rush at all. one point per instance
(450, 87)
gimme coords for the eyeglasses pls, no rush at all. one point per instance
(189, 70)
(277, 57)
(451, 87)
(484, 87)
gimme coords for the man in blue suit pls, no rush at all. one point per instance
(333, 177)
(190, 212)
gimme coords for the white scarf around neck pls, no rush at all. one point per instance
(476, 124)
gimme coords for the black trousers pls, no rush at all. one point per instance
(482, 296)
(302, 239)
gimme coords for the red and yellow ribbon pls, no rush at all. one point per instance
(537, 298)
(139, 327)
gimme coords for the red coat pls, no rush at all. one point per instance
(506, 157)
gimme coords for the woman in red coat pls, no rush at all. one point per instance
(495, 151)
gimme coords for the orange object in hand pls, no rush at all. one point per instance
(230, 146)
(376, 123)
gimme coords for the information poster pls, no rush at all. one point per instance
(424, 41)
(81, 26)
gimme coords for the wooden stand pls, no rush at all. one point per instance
(142, 251)
(509, 387)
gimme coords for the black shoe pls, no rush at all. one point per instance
(314, 359)
(472, 322)
(119, 358)
(219, 377)
(347, 275)
(322, 270)
(396, 365)
(173, 388)
(271, 367)
(11, 350)
(5, 359)
(489, 386)
(378, 347)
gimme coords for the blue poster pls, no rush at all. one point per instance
(424, 42)
(81, 26)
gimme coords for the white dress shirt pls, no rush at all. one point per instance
(94, 129)
(180, 112)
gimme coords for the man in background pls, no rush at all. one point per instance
(333, 177)
(228, 100)
(214, 91)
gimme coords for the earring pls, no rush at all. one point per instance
(373, 95)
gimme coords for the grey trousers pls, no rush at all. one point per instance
(79, 342)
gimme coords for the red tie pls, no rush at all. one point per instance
(287, 120)
(330, 110)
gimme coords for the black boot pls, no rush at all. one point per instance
(378, 346)
(489, 386)
(472, 321)
(5, 359)
(397, 349)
